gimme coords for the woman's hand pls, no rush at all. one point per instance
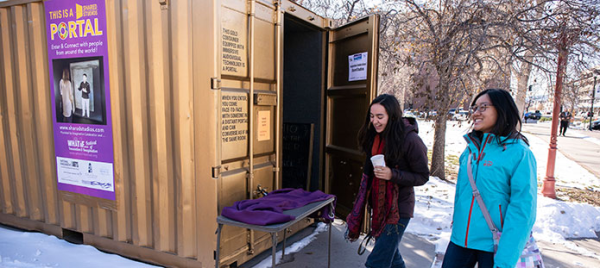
(384, 173)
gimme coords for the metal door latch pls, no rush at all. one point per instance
(262, 191)
(215, 83)
(216, 171)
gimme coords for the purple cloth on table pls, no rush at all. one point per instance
(269, 209)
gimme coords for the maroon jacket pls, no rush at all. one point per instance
(408, 171)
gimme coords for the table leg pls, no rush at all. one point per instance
(274, 238)
(329, 247)
(283, 250)
(218, 245)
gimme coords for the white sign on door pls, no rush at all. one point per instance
(357, 65)
(264, 125)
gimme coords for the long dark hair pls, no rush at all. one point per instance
(393, 134)
(65, 74)
(508, 119)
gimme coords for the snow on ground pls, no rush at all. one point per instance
(556, 220)
(455, 143)
(19, 249)
(322, 227)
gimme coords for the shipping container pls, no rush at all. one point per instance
(211, 101)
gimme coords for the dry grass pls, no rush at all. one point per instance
(578, 195)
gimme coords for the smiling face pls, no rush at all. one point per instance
(379, 117)
(486, 115)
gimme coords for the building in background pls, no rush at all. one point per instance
(585, 89)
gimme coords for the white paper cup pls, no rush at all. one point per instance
(378, 160)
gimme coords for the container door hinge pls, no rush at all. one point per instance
(215, 83)
(216, 172)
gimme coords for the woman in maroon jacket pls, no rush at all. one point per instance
(392, 196)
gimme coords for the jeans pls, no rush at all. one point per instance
(459, 257)
(385, 253)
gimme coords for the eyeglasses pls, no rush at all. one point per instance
(480, 108)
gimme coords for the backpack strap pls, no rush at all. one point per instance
(485, 212)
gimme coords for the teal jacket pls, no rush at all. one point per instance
(506, 176)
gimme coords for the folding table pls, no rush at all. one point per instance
(300, 213)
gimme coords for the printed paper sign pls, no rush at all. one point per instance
(264, 126)
(357, 65)
(234, 124)
(80, 94)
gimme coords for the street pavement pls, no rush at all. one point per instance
(575, 145)
(419, 252)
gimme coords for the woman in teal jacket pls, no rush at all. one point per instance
(504, 170)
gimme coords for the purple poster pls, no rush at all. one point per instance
(78, 60)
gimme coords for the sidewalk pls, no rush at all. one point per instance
(416, 251)
(559, 256)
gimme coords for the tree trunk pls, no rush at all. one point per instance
(439, 146)
(522, 79)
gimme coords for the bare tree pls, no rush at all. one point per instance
(341, 11)
(453, 46)
(450, 49)
(544, 28)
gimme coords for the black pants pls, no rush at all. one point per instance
(459, 257)
(563, 127)
(68, 119)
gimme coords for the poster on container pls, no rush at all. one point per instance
(79, 86)
(357, 65)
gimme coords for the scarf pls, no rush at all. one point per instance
(384, 201)
(384, 197)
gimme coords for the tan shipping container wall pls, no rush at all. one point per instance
(26, 116)
(175, 164)
(162, 56)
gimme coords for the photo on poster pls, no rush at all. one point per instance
(79, 90)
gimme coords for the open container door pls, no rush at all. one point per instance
(351, 85)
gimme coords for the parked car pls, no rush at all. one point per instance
(533, 115)
(583, 114)
(596, 125)
(451, 113)
(420, 114)
(409, 114)
(461, 115)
